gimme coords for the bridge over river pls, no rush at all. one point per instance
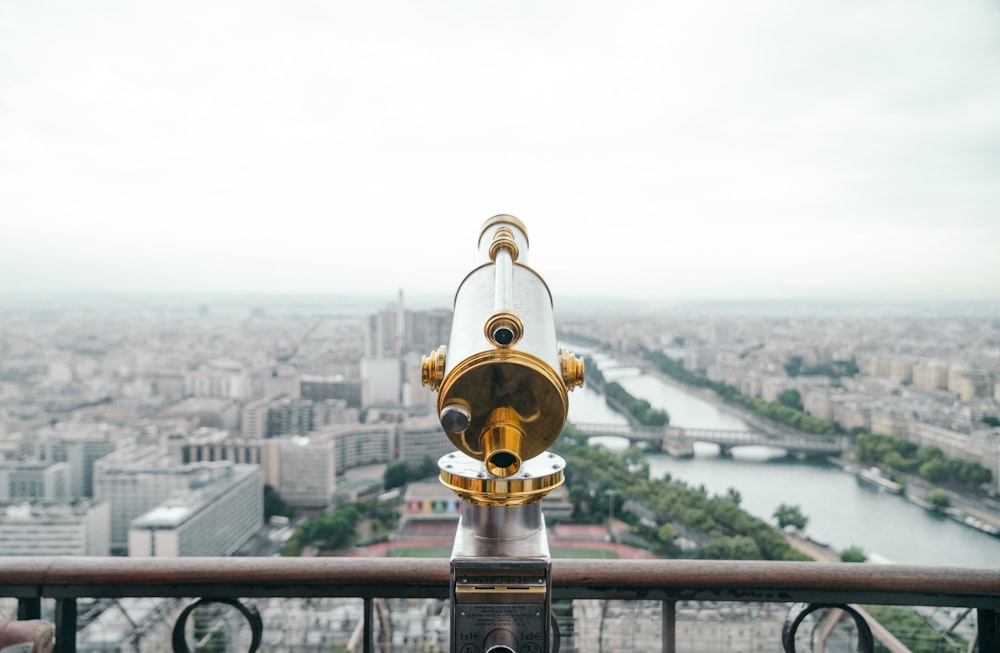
(679, 441)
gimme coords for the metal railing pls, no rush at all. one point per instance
(807, 584)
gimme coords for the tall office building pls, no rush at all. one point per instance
(308, 476)
(34, 481)
(382, 381)
(135, 480)
(381, 331)
(212, 519)
(310, 466)
(394, 341)
(78, 448)
(253, 419)
(394, 331)
(358, 445)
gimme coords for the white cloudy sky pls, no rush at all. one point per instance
(724, 149)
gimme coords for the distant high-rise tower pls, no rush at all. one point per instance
(392, 338)
(400, 334)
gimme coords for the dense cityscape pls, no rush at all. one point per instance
(151, 427)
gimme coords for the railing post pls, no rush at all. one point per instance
(989, 629)
(669, 617)
(29, 608)
(66, 625)
(368, 645)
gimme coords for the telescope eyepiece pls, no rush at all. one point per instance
(502, 442)
(503, 336)
(504, 329)
(503, 464)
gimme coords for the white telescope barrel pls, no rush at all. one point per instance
(502, 390)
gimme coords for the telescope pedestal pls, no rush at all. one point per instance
(500, 586)
(501, 581)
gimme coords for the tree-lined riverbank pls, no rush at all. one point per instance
(842, 511)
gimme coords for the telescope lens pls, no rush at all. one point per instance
(503, 336)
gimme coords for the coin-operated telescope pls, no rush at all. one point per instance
(503, 386)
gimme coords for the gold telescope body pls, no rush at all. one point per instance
(502, 381)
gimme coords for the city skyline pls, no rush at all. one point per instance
(654, 152)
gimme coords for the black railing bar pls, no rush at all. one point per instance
(66, 617)
(988, 625)
(669, 618)
(369, 621)
(29, 608)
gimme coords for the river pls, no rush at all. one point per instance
(841, 510)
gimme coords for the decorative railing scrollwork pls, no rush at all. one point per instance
(799, 611)
(249, 612)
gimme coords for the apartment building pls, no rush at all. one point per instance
(43, 529)
(214, 519)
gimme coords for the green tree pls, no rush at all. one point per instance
(928, 453)
(274, 505)
(640, 409)
(330, 531)
(428, 468)
(724, 547)
(853, 554)
(938, 498)
(969, 473)
(667, 533)
(934, 471)
(395, 475)
(790, 516)
(592, 471)
(791, 398)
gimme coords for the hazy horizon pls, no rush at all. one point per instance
(721, 151)
(568, 305)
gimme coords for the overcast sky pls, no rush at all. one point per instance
(696, 150)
